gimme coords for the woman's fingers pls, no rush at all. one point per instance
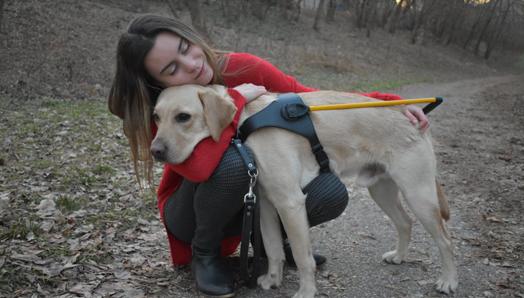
(411, 117)
(250, 91)
(417, 116)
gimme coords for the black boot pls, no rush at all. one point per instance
(212, 275)
(319, 260)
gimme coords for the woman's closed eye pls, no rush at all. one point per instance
(173, 69)
(184, 46)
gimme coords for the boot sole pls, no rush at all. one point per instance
(214, 295)
(218, 296)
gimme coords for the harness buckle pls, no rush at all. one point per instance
(250, 196)
(294, 111)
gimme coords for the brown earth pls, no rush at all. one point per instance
(73, 222)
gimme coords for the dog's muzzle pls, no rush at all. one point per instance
(158, 150)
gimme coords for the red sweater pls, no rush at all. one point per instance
(241, 68)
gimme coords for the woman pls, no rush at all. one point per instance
(200, 200)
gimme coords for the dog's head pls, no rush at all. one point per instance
(186, 115)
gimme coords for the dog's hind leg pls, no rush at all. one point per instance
(385, 193)
(420, 193)
(272, 237)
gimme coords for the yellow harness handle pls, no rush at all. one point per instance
(370, 104)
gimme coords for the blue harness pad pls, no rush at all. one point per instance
(288, 112)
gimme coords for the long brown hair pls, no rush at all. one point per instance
(134, 92)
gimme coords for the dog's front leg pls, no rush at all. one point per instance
(292, 211)
(272, 237)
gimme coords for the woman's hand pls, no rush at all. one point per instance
(417, 116)
(250, 91)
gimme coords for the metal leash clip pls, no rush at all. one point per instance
(250, 195)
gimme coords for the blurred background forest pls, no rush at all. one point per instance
(65, 48)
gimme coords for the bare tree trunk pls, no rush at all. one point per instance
(497, 32)
(318, 14)
(486, 26)
(285, 7)
(172, 6)
(330, 15)
(455, 21)
(473, 30)
(196, 17)
(371, 13)
(393, 19)
(417, 19)
(450, 20)
(389, 7)
(229, 11)
(441, 20)
(421, 20)
(298, 10)
(361, 13)
(259, 8)
(224, 5)
(2, 2)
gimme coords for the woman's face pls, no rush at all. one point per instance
(173, 61)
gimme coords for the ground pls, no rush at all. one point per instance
(73, 221)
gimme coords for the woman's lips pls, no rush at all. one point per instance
(201, 71)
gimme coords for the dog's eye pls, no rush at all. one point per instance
(156, 118)
(182, 117)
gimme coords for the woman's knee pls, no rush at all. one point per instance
(179, 216)
(327, 198)
(231, 173)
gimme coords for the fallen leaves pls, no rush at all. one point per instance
(72, 219)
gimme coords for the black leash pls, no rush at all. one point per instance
(251, 221)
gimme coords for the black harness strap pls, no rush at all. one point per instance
(251, 222)
(288, 112)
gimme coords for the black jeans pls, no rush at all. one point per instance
(204, 213)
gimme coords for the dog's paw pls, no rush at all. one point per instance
(392, 257)
(268, 281)
(306, 292)
(446, 285)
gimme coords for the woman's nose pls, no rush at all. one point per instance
(190, 65)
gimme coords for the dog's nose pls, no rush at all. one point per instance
(158, 151)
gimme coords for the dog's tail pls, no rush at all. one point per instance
(442, 202)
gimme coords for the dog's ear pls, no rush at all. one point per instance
(218, 111)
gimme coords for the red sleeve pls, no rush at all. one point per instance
(246, 68)
(382, 96)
